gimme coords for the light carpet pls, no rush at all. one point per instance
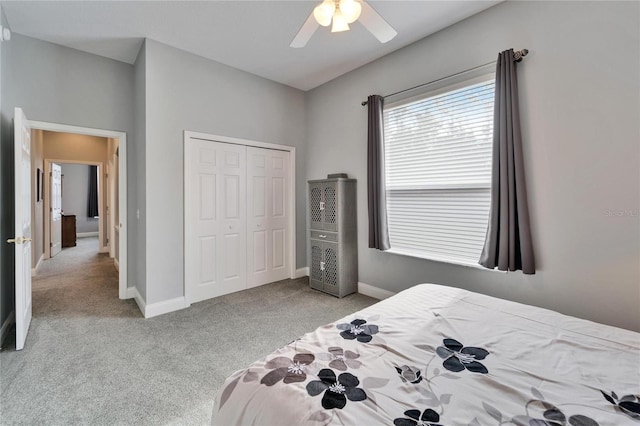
(91, 358)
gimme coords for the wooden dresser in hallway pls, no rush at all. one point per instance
(68, 230)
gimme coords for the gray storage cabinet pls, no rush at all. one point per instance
(333, 248)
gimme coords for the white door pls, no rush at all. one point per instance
(22, 239)
(56, 209)
(215, 219)
(267, 216)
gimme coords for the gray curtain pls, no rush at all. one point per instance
(378, 228)
(92, 205)
(508, 243)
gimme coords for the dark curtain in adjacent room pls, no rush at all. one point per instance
(92, 205)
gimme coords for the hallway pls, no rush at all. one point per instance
(79, 282)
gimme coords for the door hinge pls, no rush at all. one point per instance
(50, 244)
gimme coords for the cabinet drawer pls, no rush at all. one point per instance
(324, 236)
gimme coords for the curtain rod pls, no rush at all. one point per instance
(517, 56)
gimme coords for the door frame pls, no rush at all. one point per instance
(244, 142)
(122, 187)
(47, 202)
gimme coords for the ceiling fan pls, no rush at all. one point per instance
(342, 13)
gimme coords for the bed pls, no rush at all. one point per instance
(435, 355)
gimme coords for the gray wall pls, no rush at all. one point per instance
(61, 85)
(75, 195)
(188, 92)
(580, 108)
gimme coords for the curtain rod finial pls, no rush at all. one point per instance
(363, 103)
(518, 55)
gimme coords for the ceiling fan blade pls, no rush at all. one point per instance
(376, 23)
(308, 28)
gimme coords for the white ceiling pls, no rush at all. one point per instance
(253, 36)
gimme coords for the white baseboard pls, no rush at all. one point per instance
(103, 249)
(375, 292)
(132, 293)
(155, 309)
(164, 307)
(116, 264)
(86, 234)
(35, 270)
(302, 272)
(6, 325)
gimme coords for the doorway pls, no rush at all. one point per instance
(112, 194)
(71, 189)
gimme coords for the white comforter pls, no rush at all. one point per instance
(435, 355)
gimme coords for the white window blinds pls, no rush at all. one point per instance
(438, 171)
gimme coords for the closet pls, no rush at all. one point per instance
(237, 217)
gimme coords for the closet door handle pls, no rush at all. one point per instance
(321, 205)
(322, 266)
(322, 236)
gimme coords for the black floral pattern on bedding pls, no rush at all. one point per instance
(628, 404)
(538, 411)
(341, 359)
(288, 370)
(458, 357)
(409, 374)
(427, 418)
(336, 390)
(358, 330)
(328, 371)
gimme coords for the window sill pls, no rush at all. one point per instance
(442, 260)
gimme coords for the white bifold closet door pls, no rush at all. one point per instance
(267, 216)
(237, 218)
(218, 214)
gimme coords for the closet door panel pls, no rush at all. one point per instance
(279, 220)
(216, 214)
(267, 217)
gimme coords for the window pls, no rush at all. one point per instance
(438, 171)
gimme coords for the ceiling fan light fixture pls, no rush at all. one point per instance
(339, 22)
(342, 13)
(324, 12)
(351, 10)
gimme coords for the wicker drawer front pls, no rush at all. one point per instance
(324, 236)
